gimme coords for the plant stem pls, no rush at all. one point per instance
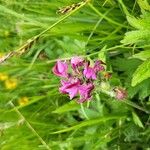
(29, 126)
(83, 111)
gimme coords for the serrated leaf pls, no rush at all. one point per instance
(144, 4)
(142, 55)
(139, 23)
(134, 22)
(142, 89)
(136, 37)
(142, 73)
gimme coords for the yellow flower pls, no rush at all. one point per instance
(3, 76)
(11, 84)
(23, 101)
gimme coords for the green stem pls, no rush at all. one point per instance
(30, 127)
(33, 39)
(53, 25)
(97, 24)
(135, 106)
(83, 111)
(106, 18)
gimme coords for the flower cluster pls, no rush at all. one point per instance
(78, 77)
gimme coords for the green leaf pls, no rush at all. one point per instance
(67, 107)
(142, 23)
(142, 73)
(133, 22)
(102, 54)
(137, 120)
(142, 55)
(144, 4)
(142, 89)
(89, 123)
(137, 36)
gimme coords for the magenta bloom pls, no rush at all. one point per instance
(78, 79)
(120, 93)
(75, 75)
(70, 87)
(76, 62)
(60, 69)
(89, 72)
(98, 66)
(85, 92)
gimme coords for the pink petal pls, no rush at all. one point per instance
(85, 91)
(76, 61)
(70, 87)
(60, 69)
(120, 93)
(89, 72)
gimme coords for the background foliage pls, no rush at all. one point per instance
(34, 115)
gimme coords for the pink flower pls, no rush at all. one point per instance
(98, 66)
(85, 92)
(60, 69)
(120, 93)
(70, 87)
(89, 72)
(76, 62)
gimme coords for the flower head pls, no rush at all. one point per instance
(23, 101)
(60, 69)
(85, 91)
(11, 84)
(89, 72)
(98, 66)
(82, 78)
(3, 76)
(70, 87)
(76, 62)
(120, 93)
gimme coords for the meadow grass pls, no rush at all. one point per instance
(33, 36)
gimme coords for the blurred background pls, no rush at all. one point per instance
(33, 114)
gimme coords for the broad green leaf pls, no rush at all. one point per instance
(137, 120)
(144, 4)
(142, 23)
(133, 22)
(142, 55)
(137, 37)
(142, 90)
(142, 73)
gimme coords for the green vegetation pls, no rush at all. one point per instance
(33, 35)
